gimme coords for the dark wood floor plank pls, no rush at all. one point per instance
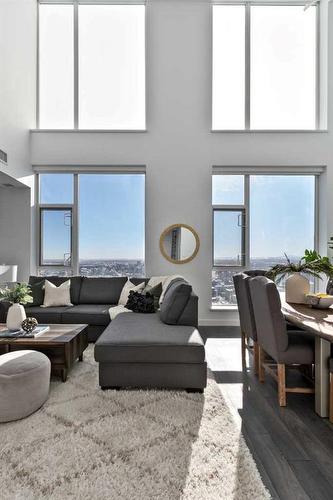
(261, 467)
(257, 408)
(312, 480)
(315, 448)
(282, 477)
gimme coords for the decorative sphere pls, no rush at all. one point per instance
(29, 324)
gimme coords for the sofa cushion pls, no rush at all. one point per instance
(58, 280)
(140, 338)
(46, 315)
(91, 314)
(37, 291)
(101, 290)
(174, 302)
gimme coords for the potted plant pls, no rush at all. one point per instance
(297, 285)
(17, 296)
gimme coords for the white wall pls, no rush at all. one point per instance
(17, 116)
(15, 226)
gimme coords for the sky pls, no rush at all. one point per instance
(111, 215)
(281, 215)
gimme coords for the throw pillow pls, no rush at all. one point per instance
(57, 295)
(155, 291)
(37, 290)
(140, 303)
(126, 290)
(116, 310)
(175, 301)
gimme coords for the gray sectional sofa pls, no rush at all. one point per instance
(162, 349)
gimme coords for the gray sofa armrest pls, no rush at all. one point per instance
(189, 316)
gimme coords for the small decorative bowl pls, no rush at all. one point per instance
(319, 300)
(29, 324)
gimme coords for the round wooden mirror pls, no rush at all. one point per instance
(179, 243)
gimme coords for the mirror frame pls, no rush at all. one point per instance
(197, 244)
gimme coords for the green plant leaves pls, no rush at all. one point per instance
(20, 294)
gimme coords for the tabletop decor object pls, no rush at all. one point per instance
(18, 297)
(29, 324)
(297, 285)
(319, 300)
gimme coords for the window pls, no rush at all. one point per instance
(56, 66)
(101, 233)
(271, 215)
(93, 75)
(264, 67)
(56, 236)
(111, 224)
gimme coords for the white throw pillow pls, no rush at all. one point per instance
(126, 290)
(116, 310)
(57, 295)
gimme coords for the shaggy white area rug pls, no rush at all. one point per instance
(88, 444)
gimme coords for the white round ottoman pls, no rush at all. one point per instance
(24, 383)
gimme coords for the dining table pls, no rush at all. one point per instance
(319, 322)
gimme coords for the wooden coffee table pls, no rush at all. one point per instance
(62, 344)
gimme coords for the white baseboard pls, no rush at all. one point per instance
(219, 322)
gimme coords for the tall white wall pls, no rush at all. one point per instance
(17, 116)
(178, 148)
(15, 227)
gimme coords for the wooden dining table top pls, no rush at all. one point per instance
(317, 321)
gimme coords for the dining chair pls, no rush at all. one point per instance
(285, 347)
(246, 316)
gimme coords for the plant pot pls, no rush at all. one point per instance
(297, 286)
(15, 316)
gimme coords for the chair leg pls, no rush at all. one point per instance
(261, 369)
(243, 351)
(282, 384)
(256, 357)
(331, 400)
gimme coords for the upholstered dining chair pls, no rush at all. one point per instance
(285, 347)
(246, 316)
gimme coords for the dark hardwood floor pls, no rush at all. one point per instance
(292, 446)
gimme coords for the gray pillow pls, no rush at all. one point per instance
(175, 300)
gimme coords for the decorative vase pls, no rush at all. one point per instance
(297, 287)
(15, 316)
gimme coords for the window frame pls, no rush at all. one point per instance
(247, 172)
(55, 208)
(76, 4)
(243, 213)
(74, 268)
(247, 101)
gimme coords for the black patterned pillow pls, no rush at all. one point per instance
(139, 303)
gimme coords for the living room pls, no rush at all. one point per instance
(162, 147)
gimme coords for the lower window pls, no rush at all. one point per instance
(92, 224)
(265, 218)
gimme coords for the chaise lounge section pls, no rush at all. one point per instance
(138, 350)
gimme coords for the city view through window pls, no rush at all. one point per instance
(109, 230)
(279, 218)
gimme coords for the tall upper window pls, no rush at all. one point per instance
(264, 67)
(256, 220)
(56, 66)
(92, 66)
